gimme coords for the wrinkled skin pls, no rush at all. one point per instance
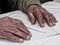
(13, 30)
(42, 16)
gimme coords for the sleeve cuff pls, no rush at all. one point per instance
(26, 3)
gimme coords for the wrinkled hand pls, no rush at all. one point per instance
(42, 15)
(13, 30)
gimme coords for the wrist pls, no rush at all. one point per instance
(33, 6)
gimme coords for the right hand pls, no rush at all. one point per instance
(13, 30)
(36, 12)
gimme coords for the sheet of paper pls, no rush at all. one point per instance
(38, 33)
(52, 41)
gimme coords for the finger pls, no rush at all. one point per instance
(11, 37)
(1, 31)
(16, 32)
(39, 17)
(47, 18)
(24, 29)
(31, 17)
(51, 18)
(19, 24)
(1, 36)
(54, 19)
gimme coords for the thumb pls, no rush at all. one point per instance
(31, 17)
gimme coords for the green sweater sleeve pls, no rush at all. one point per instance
(23, 4)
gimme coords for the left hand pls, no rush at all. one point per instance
(41, 14)
(14, 30)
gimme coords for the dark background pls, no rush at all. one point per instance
(43, 1)
(5, 7)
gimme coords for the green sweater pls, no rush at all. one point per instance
(22, 4)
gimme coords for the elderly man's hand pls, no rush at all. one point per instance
(14, 30)
(42, 15)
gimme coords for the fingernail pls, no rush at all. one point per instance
(51, 24)
(21, 40)
(42, 25)
(56, 21)
(28, 38)
(54, 24)
(30, 34)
